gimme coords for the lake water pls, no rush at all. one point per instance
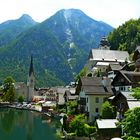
(26, 125)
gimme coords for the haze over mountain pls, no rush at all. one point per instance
(60, 46)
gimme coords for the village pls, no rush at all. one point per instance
(109, 76)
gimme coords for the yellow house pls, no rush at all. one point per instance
(93, 92)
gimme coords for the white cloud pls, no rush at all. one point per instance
(113, 12)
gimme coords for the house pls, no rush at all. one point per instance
(107, 129)
(70, 95)
(102, 57)
(113, 70)
(60, 95)
(125, 80)
(21, 89)
(136, 55)
(123, 101)
(93, 92)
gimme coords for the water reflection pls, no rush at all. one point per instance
(25, 125)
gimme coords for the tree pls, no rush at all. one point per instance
(9, 93)
(20, 99)
(131, 126)
(71, 106)
(136, 93)
(107, 111)
(77, 125)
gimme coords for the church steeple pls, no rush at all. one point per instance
(30, 81)
(31, 70)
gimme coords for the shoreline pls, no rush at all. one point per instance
(14, 106)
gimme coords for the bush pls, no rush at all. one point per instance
(89, 129)
(20, 99)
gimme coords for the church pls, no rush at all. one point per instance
(27, 90)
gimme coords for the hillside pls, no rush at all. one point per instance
(12, 28)
(60, 46)
(126, 37)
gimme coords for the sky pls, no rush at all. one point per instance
(112, 12)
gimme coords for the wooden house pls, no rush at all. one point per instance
(125, 80)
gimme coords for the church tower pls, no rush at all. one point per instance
(104, 44)
(30, 82)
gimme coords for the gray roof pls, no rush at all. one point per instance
(106, 123)
(133, 104)
(128, 95)
(96, 85)
(97, 90)
(94, 81)
(109, 55)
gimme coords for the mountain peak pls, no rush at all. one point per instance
(26, 18)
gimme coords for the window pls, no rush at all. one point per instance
(97, 100)
(97, 110)
(87, 108)
(122, 88)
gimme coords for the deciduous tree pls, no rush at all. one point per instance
(107, 111)
(131, 125)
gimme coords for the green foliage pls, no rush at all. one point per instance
(136, 93)
(14, 28)
(9, 93)
(107, 111)
(71, 106)
(77, 125)
(131, 125)
(62, 110)
(20, 99)
(126, 37)
(81, 73)
(89, 129)
(89, 74)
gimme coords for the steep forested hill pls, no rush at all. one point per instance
(59, 45)
(126, 37)
(12, 28)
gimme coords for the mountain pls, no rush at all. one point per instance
(12, 28)
(126, 37)
(59, 45)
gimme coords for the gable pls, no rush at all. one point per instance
(120, 80)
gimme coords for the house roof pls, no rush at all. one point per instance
(89, 90)
(127, 95)
(94, 81)
(109, 55)
(131, 76)
(133, 104)
(106, 123)
(96, 85)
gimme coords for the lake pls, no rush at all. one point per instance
(26, 125)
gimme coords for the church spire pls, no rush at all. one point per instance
(30, 82)
(31, 70)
